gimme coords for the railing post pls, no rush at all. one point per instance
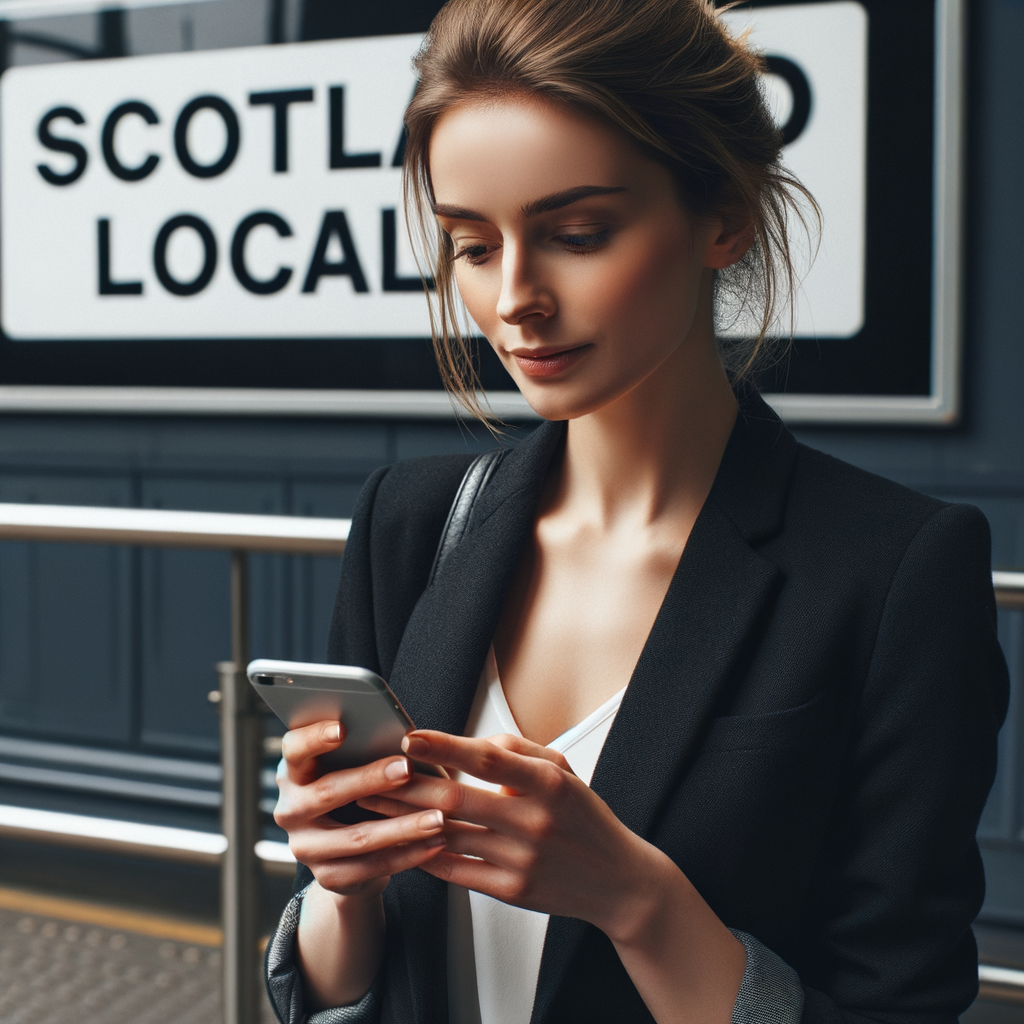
(241, 735)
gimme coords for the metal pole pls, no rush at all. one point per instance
(241, 735)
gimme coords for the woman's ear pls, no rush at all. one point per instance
(729, 242)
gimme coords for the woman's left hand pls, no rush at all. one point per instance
(545, 842)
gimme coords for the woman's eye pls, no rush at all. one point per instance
(584, 243)
(472, 253)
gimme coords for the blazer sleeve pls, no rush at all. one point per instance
(901, 879)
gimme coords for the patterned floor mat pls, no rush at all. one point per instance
(72, 972)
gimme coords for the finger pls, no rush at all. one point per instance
(481, 843)
(423, 792)
(521, 745)
(498, 811)
(299, 804)
(387, 805)
(350, 873)
(299, 747)
(456, 832)
(463, 836)
(355, 841)
(484, 760)
(479, 876)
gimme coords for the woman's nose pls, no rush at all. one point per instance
(523, 292)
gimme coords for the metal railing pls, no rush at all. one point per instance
(1009, 587)
(241, 717)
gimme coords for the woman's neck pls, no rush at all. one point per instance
(651, 456)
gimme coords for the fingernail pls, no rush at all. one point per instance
(435, 841)
(415, 745)
(333, 732)
(397, 770)
(430, 821)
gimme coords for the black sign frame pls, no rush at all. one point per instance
(902, 367)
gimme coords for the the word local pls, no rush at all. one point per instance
(334, 225)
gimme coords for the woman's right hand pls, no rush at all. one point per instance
(348, 860)
(340, 938)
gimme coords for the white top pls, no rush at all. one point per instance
(494, 949)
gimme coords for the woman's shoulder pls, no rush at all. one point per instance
(847, 513)
(846, 486)
(396, 525)
(407, 502)
(858, 495)
(413, 497)
(819, 509)
(413, 485)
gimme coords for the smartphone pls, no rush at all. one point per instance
(301, 694)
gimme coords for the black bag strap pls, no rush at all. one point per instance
(478, 473)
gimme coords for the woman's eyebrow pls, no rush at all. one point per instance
(455, 212)
(545, 204)
(557, 200)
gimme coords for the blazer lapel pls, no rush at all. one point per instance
(435, 675)
(722, 588)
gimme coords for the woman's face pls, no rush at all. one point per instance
(573, 253)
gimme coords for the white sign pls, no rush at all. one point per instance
(828, 44)
(247, 193)
(254, 193)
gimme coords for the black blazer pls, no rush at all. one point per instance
(810, 731)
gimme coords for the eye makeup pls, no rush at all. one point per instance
(584, 243)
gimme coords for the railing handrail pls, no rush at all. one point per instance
(1011, 580)
(147, 527)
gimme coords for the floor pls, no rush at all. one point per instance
(93, 939)
(56, 971)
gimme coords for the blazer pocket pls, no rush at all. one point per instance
(774, 729)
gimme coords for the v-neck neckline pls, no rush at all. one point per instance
(562, 742)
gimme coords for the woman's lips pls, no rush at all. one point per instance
(548, 365)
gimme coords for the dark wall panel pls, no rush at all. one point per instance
(186, 611)
(314, 581)
(412, 441)
(66, 622)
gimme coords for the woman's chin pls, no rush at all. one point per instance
(561, 400)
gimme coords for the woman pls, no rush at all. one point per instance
(779, 674)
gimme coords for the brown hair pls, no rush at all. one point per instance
(665, 73)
